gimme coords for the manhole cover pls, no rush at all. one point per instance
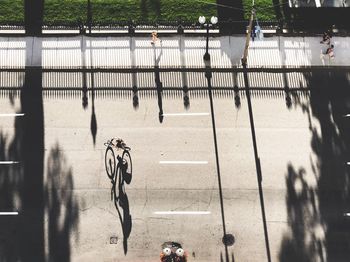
(228, 240)
(113, 240)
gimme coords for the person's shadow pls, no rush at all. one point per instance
(121, 202)
(125, 218)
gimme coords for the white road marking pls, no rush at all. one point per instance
(8, 162)
(186, 114)
(347, 115)
(8, 213)
(348, 163)
(182, 212)
(5, 115)
(184, 162)
(347, 214)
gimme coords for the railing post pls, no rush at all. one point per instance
(180, 29)
(81, 25)
(237, 97)
(279, 29)
(131, 28)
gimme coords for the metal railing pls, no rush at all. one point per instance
(139, 26)
(228, 27)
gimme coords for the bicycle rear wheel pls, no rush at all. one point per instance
(127, 172)
(110, 163)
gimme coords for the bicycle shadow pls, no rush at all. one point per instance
(125, 219)
(123, 203)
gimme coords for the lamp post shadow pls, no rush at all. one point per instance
(159, 84)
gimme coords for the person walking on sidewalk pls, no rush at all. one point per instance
(155, 38)
(253, 33)
(326, 38)
(329, 52)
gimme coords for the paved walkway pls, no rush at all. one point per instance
(176, 51)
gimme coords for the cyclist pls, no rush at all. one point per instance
(173, 252)
(118, 143)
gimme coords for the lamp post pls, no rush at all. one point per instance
(213, 21)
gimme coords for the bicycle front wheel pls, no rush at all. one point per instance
(110, 163)
(127, 163)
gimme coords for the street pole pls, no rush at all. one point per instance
(33, 17)
(206, 56)
(252, 128)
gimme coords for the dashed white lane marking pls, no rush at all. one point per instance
(347, 214)
(8, 213)
(8, 162)
(186, 114)
(318, 3)
(183, 162)
(6, 115)
(182, 212)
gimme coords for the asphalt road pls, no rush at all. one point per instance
(77, 206)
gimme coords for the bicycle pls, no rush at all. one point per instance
(118, 168)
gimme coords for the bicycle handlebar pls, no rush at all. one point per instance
(110, 143)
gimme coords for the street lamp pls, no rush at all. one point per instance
(213, 21)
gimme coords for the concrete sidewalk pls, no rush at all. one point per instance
(177, 51)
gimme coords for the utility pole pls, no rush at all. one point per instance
(33, 16)
(252, 128)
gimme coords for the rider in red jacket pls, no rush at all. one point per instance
(172, 252)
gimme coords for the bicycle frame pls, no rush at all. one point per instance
(117, 172)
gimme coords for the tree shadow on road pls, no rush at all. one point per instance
(23, 187)
(302, 243)
(319, 229)
(61, 206)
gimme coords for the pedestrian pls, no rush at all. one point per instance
(155, 38)
(253, 33)
(259, 33)
(330, 51)
(326, 38)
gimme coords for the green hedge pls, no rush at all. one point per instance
(125, 10)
